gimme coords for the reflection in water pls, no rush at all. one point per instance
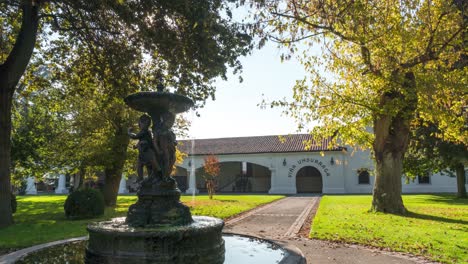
(239, 250)
(246, 250)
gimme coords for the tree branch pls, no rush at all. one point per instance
(292, 40)
(366, 56)
(314, 26)
(56, 23)
(18, 59)
(429, 54)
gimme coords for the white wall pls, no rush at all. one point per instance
(340, 177)
(438, 184)
(362, 159)
(283, 177)
(354, 160)
(332, 174)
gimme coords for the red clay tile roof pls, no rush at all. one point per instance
(258, 144)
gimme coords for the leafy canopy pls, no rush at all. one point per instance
(190, 41)
(366, 49)
(96, 53)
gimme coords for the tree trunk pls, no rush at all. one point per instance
(78, 179)
(6, 215)
(391, 141)
(80, 176)
(113, 171)
(461, 188)
(387, 185)
(10, 73)
(210, 188)
(111, 185)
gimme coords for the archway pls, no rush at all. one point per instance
(232, 178)
(258, 178)
(228, 173)
(309, 180)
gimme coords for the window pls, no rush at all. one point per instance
(424, 179)
(363, 177)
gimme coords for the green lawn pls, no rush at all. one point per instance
(436, 227)
(41, 219)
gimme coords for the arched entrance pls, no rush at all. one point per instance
(259, 178)
(233, 178)
(309, 180)
(228, 173)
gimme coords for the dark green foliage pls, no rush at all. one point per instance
(428, 152)
(85, 203)
(22, 187)
(14, 204)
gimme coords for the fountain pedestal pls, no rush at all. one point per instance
(158, 205)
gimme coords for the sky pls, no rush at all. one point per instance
(236, 111)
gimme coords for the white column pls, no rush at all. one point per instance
(30, 186)
(61, 189)
(192, 189)
(273, 186)
(123, 185)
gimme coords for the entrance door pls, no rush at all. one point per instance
(309, 180)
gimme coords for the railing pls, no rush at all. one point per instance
(241, 184)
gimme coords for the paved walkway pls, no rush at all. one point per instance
(281, 221)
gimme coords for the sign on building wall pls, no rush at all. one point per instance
(313, 162)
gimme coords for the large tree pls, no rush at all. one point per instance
(381, 63)
(93, 85)
(190, 41)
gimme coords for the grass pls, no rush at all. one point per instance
(436, 226)
(41, 219)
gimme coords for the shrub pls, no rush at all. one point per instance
(85, 203)
(14, 204)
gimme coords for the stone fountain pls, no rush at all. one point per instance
(158, 227)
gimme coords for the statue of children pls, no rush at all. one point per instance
(164, 140)
(146, 151)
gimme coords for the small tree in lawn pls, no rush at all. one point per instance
(211, 167)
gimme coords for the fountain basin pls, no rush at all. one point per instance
(239, 250)
(148, 102)
(116, 242)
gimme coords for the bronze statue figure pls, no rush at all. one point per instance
(165, 141)
(146, 150)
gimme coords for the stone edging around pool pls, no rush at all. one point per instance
(15, 256)
(294, 255)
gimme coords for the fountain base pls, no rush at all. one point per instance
(158, 205)
(117, 242)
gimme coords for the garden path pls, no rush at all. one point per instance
(281, 221)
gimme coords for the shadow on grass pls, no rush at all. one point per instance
(435, 218)
(225, 201)
(448, 199)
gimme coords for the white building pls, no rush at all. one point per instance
(270, 164)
